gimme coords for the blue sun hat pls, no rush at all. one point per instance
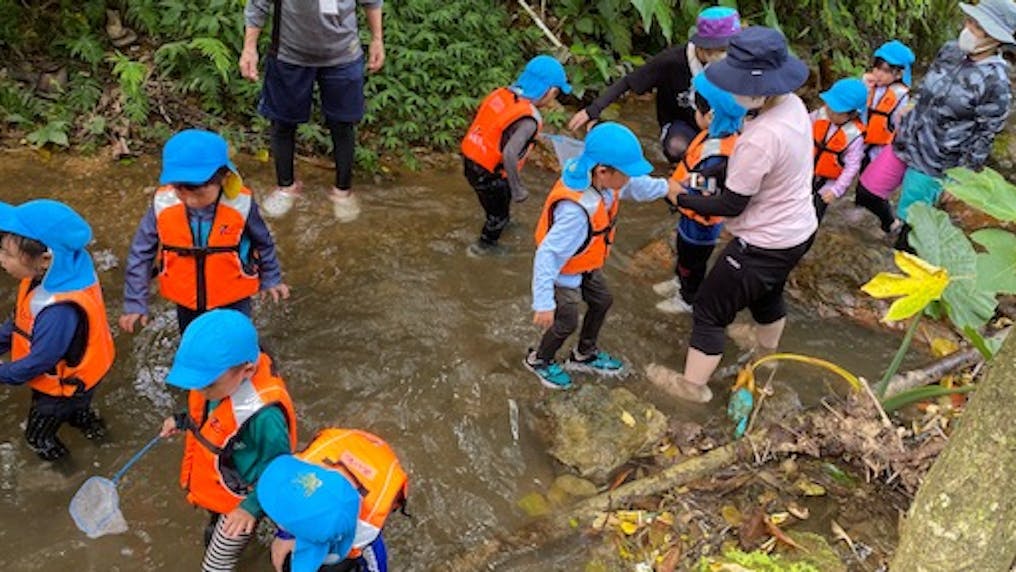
(540, 74)
(64, 233)
(211, 344)
(728, 116)
(896, 53)
(846, 95)
(758, 64)
(193, 156)
(609, 144)
(318, 506)
(715, 26)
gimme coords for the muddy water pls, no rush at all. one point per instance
(391, 328)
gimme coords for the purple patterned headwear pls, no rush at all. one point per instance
(715, 26)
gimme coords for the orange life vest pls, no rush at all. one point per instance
(880, 128)
(600, 231)
(66, 379)
(829, 149)
(482, 143)
(371, 465)
(210, 276)
(702, 147)
(207, 473)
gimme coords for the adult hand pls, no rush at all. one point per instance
(281, 548)
(578, 120)
(249, 63)
(239, 522)
(279, 292)
(827, 195)
(128, 321)
(674, 189)
(375, 55)
(544, 319)
(169, 428)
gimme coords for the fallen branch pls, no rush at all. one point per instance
(932, 372)
(539, 23)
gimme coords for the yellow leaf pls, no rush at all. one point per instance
(627, 419)
(810, 489)
(262, 155)
(732, 515)
(942, 347)
(629, 528)
(923, 284)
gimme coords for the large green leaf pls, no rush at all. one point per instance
(939, 242)
(996, 269)
(646, 9)
(987, 191)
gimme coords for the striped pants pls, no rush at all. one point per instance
(222, 552)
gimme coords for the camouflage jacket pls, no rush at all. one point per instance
(960, 107)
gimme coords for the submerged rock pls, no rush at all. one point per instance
(595, 430)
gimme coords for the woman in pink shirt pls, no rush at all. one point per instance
(768, 203)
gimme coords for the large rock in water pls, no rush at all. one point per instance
(595, 430)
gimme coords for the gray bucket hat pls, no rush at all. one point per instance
(997, 17)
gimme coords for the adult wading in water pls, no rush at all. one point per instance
(962, 103)
(670, 73)
(767, 201)
(313, 41)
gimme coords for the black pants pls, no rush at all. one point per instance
(594, 292)
(343, 151)
(495, 197)
(184, 315)
(48, 413)
(692, 262)
(744, 276)
(876, 205)
(820, 205)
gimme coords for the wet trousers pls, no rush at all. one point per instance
(692, 262)
(495, 197)
(48, 413)
(594, 292)
(184, 315)
(222, 552)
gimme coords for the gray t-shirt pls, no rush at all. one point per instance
(313, 33)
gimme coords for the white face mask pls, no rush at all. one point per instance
(750, 102)
(967, 41)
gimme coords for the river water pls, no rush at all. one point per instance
(391, 328)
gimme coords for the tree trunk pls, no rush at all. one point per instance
(964, 515)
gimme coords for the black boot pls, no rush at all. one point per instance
(89, 423)
(40, 433)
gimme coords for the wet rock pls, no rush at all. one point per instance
(595, 430)
(52, 80)
(783, 403)
(817, 552)
(572, 486)
(120, 35)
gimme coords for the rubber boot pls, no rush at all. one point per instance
(89, 423)
(40, 433)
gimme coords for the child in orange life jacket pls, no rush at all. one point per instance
(331, 501)
(702, 170)
(573, 236)
(496, 144)
(239, 417)
(888, 99)
(213, 248)
(59, 339)
(838, 129)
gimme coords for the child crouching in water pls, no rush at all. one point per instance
(838, 129)
(702, 170)
(239, 417)
(59, 338)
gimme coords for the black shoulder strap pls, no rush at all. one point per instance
(273, 49)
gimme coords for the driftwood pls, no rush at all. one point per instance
(933, 372)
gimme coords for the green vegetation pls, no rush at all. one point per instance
(69, 85)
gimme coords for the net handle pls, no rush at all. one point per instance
(137, 456)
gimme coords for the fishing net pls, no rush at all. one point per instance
(564, 147)
(95, 508)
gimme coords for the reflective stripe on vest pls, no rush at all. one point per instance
(830, 145)
(500, 109)
(880, 127)
(207, 473)
(595, 249)
(700, 149)
(97, 354)
(205, 276)
(373, 468)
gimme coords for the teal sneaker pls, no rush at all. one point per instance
(551, 374)
(599, 362)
